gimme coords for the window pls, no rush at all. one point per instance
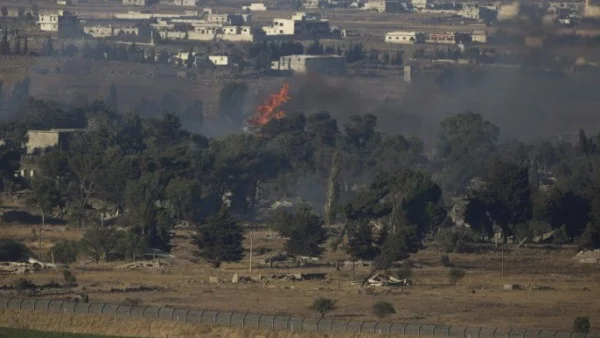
(280, 32)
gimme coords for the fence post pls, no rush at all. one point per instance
(570, 334)
(172, 312)
(158, 312)
(21, 303)
(318, 321)
(508, 334)
(9, 299)
(244, 319)
(465, 332)
(48, 306)
(346, 327)
(117, 309)
(331, 325)
(60, 307)
(375, 328)
(34, 304)
(230, 315)
(216, 315)
(186, 314)
(434, 328)
(448, 332)
(360, 327)
(273, 324)
(419, 332)
(302, 323)
(404, 328)
(104, 304)
(201, 314)
(539, 333)
(130, 309)
(258, 320)
(479, 332)
(287, 324)
(390, 330)
(523, 334)
(494, 332)
(555, 333)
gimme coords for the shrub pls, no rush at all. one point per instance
(323, 305)
(69, 278)
(405, 270)
(65, 251)
(452, 240)
(454, 275)
(581, 324)
(446, 262)
(11, 250)
(23, 284)
(383, 309)
(590, 238)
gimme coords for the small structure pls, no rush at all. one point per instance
(185, 3)
(58, 21)
(255, 7)
(402, 37)
(63, 2)
(219, 60)
(323, 64)
(43, 139)
(135, 3)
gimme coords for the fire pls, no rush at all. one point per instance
(268, 110)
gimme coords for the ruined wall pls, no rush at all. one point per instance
(41, 139)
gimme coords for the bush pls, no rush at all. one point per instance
(590, 238)
(455, 274)
(323, 305)
(65, 251)
(383, 309)
(405, 270)
(581, 324)
(11, 250)
(69, 278)
(452, 240)
(446, 262)
(23, 284)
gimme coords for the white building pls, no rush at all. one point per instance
(135, 2)
(219, 60)
(255, 7)
(324, 64)
(312, 4)
(185, 3)
(63, 2)
(56, 21)
(375, 5)
(236, 33)
(303, 25)
(419, 4)
(203, 33)
(470, 12)
(479, 37)
(407, 38)
(98, 31)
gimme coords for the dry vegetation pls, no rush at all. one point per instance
(122, 327)
(477, 299)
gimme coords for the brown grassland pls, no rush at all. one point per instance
(477, 300)
(126, 327)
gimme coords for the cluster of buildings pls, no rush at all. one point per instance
(409, 38)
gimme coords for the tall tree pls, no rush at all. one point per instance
(44, 196)
(304, 229)
(112, 100)
(231, 101)
(333, 190)
(219, 239)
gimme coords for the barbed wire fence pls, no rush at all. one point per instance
(281, 323)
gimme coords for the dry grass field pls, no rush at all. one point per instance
(122, 327)
(478, 300)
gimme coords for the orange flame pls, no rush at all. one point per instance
(268, 110)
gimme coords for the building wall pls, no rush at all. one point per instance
(257, 7)
(49, 22)
(98, 31)
(407, 38)
(281, 27)
(41, 139)
(311, 64)
(134, 2)
(219, 60)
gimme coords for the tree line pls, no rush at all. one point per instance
(387, 191)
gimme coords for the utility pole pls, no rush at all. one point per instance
(251, 233)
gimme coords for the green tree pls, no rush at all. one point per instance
(231, 101)
(465, 142)
(454, 275)
(185, 196)
(69, 279)
(44, 196)
(323, 306)
(219, 239)
(4, 45)
(65, 251)
(361, 243)
(48, 47)
(383, 309)
(98, 242)
(333, 190)
(11, 250)
(112, 99)
(581, 324)
(506, 195)
(304, 230)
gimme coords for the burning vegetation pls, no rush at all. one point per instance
(269, 109)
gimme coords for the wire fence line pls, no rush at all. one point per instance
(283, 323)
